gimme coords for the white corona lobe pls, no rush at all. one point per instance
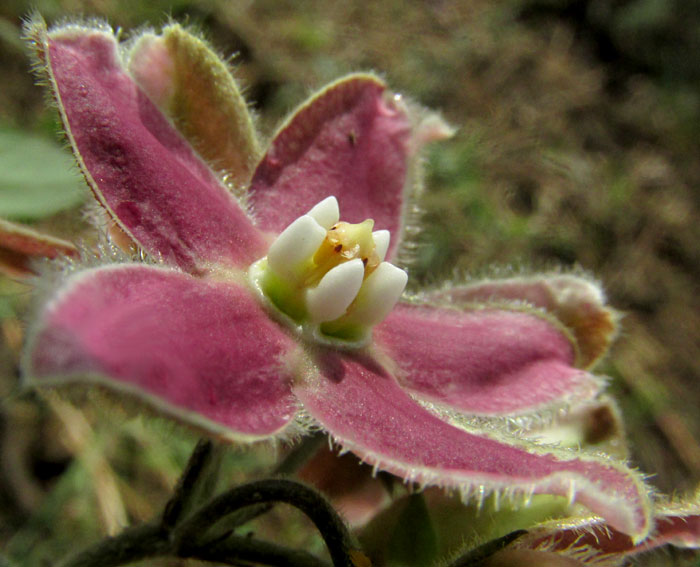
(326, 213)
(335, 292)
(381, 243)
(378, 295)
(295, 245)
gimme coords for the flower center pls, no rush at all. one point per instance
(328, 279)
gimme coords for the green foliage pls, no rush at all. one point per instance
(76, 527)
(426, 528)
(413, 541)
(37, 178)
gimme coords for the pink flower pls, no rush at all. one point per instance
(592, 540)
(233, 330)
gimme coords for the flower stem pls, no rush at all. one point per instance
(333, 530)
(187, 484)
(133, 544)
(300, 454)
(179, 532)
(477, 557)
(241, 548)
(294, 461)
(145, 541)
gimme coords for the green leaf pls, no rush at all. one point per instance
(37, 177)
(413, 542)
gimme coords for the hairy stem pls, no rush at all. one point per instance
(333, 530)
(133, 544)
(180, 532)
(477, 557)
(147, 541)
(241, 548)
(299, 455)
(187, 484)
(294, 460)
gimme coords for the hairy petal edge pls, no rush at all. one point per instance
(139, 168)
(203, 352)
(367, 412)
(485, 361)
(349, 141)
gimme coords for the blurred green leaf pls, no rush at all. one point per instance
(414, 542)
(37, 177)
(10, 36)
(65, 513)
(5, 562)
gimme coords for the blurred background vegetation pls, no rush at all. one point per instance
(577, 147)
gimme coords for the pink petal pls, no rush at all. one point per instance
(204, 352)
(195, 88)
(368, 413)
(679, 527)
(140, 169)
(349, 141)
(19, 245)
(577, 302)
(483, 361)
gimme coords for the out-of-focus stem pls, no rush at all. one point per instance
(187, 484)
(133, 544)
(333, 530)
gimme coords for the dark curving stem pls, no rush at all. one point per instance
(333, 530)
